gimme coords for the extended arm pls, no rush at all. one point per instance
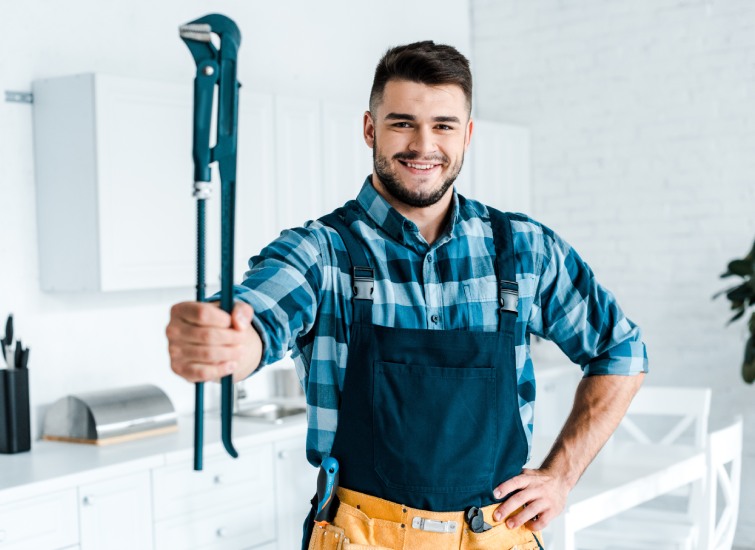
(599, 405)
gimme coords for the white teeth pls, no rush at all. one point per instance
(420, 166)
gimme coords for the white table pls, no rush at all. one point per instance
(622, 476)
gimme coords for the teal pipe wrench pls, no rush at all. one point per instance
(216, 67)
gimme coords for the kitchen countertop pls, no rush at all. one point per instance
(53, 465)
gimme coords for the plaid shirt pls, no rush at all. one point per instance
(302, 300)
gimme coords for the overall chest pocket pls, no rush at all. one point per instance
(433, 426)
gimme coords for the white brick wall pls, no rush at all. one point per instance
(643, 141)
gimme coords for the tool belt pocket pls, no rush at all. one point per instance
(328, 537)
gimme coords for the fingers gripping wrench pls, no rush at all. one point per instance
(215, 67)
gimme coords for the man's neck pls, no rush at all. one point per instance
(429, 219)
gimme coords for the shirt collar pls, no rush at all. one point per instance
(387, 218)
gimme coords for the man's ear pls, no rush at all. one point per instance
(468, 137)
(368, 126)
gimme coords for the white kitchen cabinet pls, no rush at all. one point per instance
(116, 513)
(295, 484)
(497, 167)
(114, 183)
(47, 521)
(256, 216)
(114, 175)
(347, 160)
(298, 164)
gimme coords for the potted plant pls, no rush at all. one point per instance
(742, 297)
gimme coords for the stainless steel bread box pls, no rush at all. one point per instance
(110, 416)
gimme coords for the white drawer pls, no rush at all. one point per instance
(180, 491)
(245, 526)
(49, 521)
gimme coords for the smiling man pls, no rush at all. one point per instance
(409, 312)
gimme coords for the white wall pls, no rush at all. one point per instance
(643, 130)
(83, 342)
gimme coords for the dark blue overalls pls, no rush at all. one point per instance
(428, 418)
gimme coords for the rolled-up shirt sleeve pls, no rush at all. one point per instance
(582, 317)
(283, 287)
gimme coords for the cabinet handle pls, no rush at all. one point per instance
(283, 455)
(88, 500)
(217, 480)
(222, 533)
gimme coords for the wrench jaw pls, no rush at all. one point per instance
(199, 32)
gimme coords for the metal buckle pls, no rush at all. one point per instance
(433, 525)
(509, 296)
(363, 281)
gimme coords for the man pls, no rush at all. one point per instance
(409, 312)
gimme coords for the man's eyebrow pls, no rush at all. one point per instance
(399, 116)
(404, 116)
(446, 119)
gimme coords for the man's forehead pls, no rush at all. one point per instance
(416, 95)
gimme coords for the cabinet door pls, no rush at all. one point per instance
(298, 163)
(346, 158)
(48, 521)
(499, 166)
(256, 219)
(117, 513)
(145, 183)
(295, 483)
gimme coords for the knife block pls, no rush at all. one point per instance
(15, 423)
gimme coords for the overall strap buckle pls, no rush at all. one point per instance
(509, 296)
(363, 282)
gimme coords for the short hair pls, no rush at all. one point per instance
(424, 62)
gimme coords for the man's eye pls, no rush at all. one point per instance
(401, 125)
(445, 127)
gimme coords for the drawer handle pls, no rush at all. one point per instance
(88, 500)
(222, 533)
(217, 480)
(283, 455)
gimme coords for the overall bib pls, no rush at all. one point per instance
(428, 418)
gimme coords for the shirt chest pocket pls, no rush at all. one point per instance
(481, 297)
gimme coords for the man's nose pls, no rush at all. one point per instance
(423, 141)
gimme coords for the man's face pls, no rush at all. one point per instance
(418, 137)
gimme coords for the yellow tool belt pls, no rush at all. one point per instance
(364, 522)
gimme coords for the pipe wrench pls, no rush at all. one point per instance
(216, 68)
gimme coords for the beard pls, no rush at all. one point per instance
(399, 191)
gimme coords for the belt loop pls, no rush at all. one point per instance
(363, 282)
(509, 296)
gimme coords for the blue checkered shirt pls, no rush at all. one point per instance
(302, 300)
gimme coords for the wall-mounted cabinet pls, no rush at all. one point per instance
(497, 167)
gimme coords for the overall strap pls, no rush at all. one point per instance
(508, 296)
(362, 274)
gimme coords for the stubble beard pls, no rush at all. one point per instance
(398, 191)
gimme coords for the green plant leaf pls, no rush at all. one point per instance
(737, 316)
(748, 365)
(743, 268)
(724, 291)
(742, 293)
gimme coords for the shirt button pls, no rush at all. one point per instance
(430, 259)
(434, 319)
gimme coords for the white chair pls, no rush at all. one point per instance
(666, 416)
(718, 518)
(724, 449)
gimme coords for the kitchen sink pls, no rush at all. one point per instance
(273, 412)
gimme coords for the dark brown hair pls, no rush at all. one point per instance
(424, 62)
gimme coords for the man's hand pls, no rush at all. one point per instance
(206, 343)
(541, 497)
